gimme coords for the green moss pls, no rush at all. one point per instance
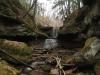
(87, 45)
(5, 69)
(18, 50)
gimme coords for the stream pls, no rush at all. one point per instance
(46, 49)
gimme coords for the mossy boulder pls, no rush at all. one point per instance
(19, 50)
(6, 69)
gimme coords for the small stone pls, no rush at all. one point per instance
(37, 72)
(54, 72)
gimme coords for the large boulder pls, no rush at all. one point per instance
(19, 50)
(91, 49)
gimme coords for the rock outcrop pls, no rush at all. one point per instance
(85, 20)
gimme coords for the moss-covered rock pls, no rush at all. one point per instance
(19, 50)
(87, 45)
(6, 69)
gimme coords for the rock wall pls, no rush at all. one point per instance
(85, 21)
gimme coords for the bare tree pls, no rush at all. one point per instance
(66, 7)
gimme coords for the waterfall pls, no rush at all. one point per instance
(51, 42)
(55, 31)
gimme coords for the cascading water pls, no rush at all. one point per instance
(55, 31)
(52, 41)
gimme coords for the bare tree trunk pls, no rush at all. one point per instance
(35, 9)
(68, 6)
(78, 2)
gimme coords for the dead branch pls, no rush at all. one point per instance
(29, 9)
(61, 71)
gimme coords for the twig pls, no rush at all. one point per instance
(30, 8)
(61, 71)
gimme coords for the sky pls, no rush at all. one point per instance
(48, 6)
(49, 12)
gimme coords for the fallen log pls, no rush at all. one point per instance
(9, 56)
